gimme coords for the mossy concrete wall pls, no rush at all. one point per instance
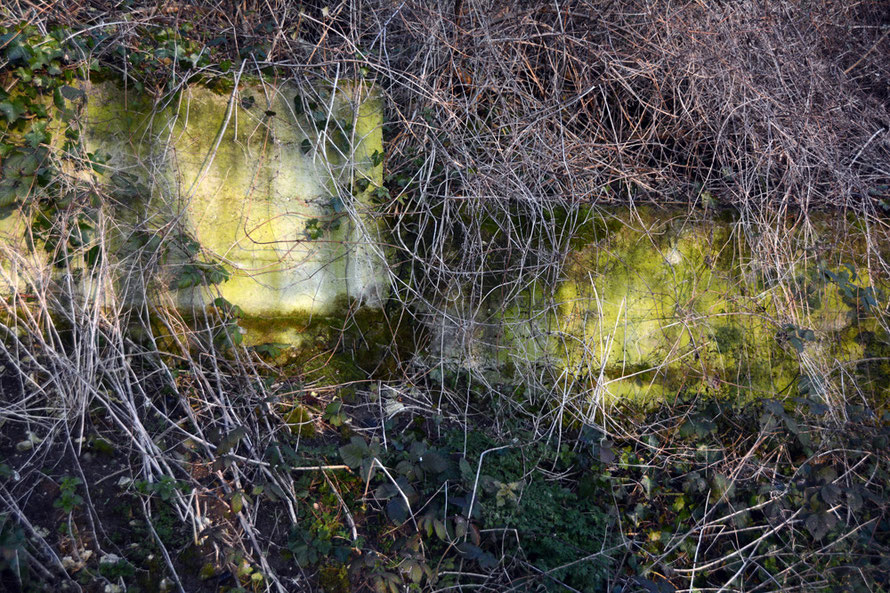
(273, 193)
(264, 190)
(652, 303)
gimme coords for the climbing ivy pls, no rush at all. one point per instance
(37, 74)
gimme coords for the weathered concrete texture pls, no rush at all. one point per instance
(273, 208)
(652, 303)
(19, 265)
(267, 193)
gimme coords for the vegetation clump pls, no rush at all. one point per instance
(435, 442)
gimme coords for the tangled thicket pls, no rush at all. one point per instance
(507, 125)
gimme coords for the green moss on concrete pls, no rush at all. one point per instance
(657, 303)
(247, 188)
(254, 192)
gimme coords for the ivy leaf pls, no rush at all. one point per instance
(72, 93)
(362, 184)
(190, 246)
(722, 486)
(662, 586)
(698, 426)
(472, 552)
(415, 573)
(466, 470)
(469, 550)
(381, 193)
(234, 331)
(12, 111)
(8, 194)
(19, 53)
(774, 407)
(854, 501)
(386, 491)
(228, 308)
(37, 135)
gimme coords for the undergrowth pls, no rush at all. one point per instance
(148, 448)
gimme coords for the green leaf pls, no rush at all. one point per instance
(466, 470)
(18, 53)
(721, 486)
(774, 407)
(854, 500)
(415, 573)
(381, 193)
(37, 135)
(362, 184)
(235, 334)
(386, 491)
(190, 246)
(698, 426)
(434, 462)
(397, 510)
(831, 493)
(820, 523)
(12, 111)
(8, 194)
(606, 453)
(270, 349)
(648, 484)
(679, 504)
(440, 529)
(332, 413)
(72, 93)
(228, 308)
(189, 276)
(237, 502)
(231, 440)
(470, 551)
(354, 452)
